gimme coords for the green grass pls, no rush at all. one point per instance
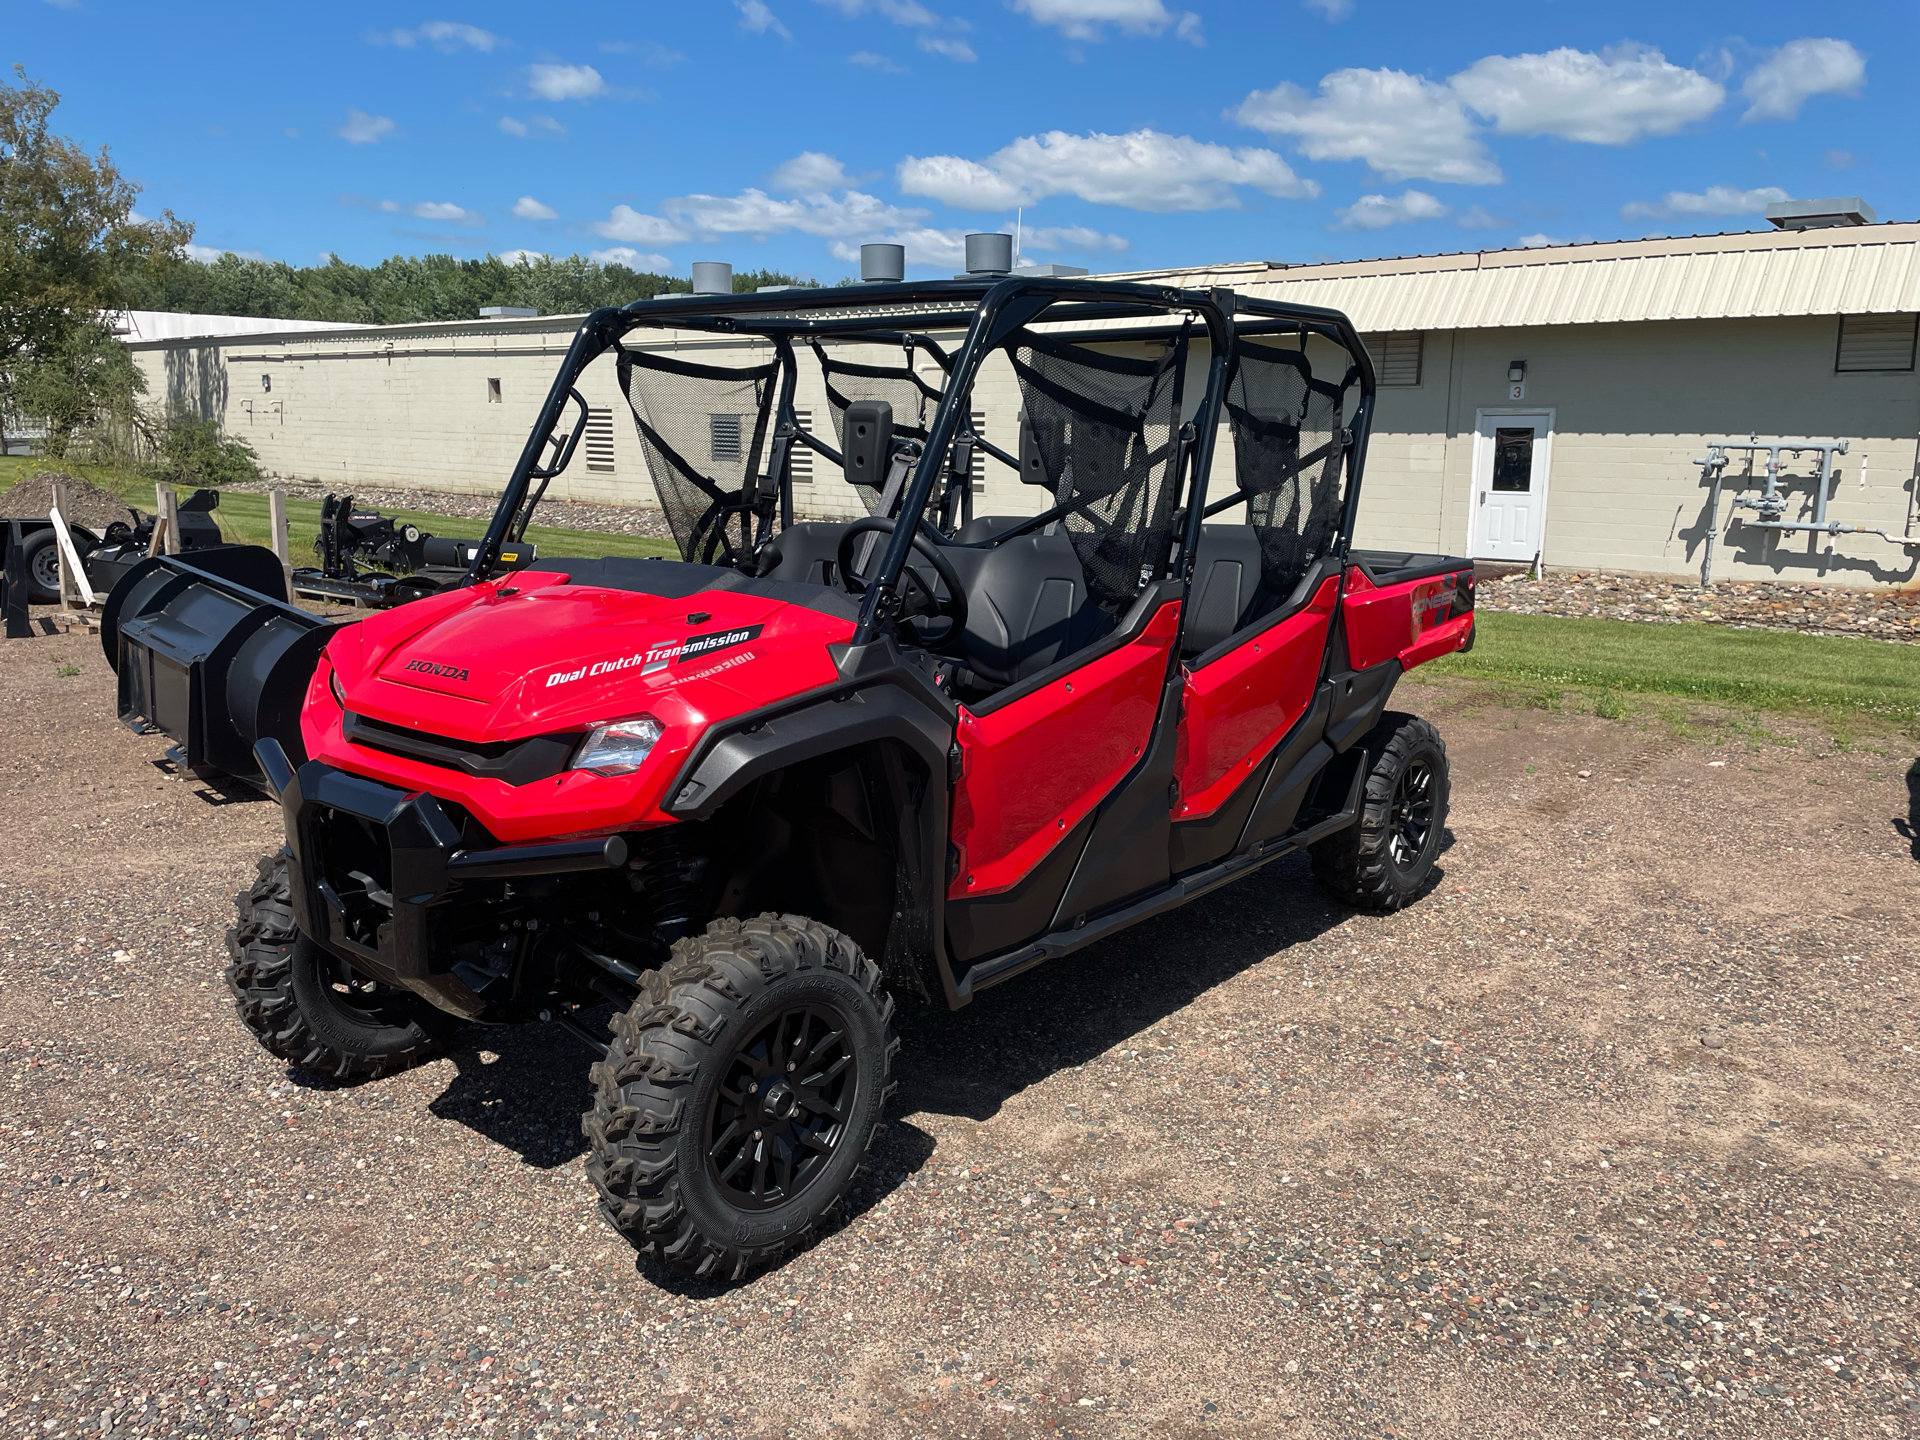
(243, 518)
(1840, 680)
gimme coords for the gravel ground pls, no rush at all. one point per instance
(1614, 1133)
(1883, 614)
(645, 520)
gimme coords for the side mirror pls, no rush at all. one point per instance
(867, 442)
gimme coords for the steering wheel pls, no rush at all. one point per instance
(953, 607)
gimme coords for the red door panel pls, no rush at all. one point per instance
(1034, 768)
(1239, 707)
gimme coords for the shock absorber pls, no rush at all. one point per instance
(667, 874)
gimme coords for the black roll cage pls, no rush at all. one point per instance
(992, 311)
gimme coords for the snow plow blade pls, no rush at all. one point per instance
(207, 653)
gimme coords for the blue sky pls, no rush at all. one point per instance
(1127, 133)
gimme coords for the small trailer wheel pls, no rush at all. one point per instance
(1385, 859)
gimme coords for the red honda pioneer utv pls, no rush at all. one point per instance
(751, 795)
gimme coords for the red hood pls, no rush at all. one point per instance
(495, 662)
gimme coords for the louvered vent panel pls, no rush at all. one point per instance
(1876, 342)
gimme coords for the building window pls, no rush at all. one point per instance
(723, 432)
(799, 457)
(599, 440)
(1876, 342)
(1396, 357)
(493, 392)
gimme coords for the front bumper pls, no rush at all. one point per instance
(368, 872)
(376, 873)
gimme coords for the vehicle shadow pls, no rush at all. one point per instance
(1068, 1011)
(523, 1087)
(1908, 828)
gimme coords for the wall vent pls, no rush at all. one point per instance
(1876, 342)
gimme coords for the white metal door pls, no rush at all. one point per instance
(1510, 483)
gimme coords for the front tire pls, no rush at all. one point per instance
(741, 1093)
(308, 1007)
(1385, 859)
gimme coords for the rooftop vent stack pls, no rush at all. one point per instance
(1820, 214)
(712, 277)
(507, 312)
(989, 254)
(882, 264)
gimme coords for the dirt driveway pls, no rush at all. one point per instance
(1615, 1133)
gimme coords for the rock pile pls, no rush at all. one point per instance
(1763, 605)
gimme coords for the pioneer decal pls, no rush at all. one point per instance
(431, 667)
(1433, 606)
(656, 658)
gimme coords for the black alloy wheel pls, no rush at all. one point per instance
(1385, 859)
(782, 1108)
(741, 1093)
(1412, 814)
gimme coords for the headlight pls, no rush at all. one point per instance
(339, 691)
(619, 747)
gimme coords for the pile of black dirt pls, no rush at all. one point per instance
(87, 503)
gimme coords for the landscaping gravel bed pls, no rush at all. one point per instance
(1882, 614)
(1615, 1133)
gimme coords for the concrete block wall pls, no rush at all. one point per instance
(1634, 406)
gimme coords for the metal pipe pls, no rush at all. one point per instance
(516, 861)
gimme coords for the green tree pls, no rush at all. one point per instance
(68, 240)
(192, 451)
(74, 381)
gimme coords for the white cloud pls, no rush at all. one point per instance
(754, 212)
(207, 254)
(1376, 212)
(757, 19)
(1539, 242)
(1714, 200)
(1404, 126)
(632, 259)
(364, 129)
(521, 257)
(651, 52)
(528, 208)
(1144, 170)
(626, 223)
(537, 125)
(1839, 159)
(1478, 217)
(900, 12)
(1334, 10)
(810, 172)
(1614, 98)
(565, 82)
(442, 35)
(1798, 71)
(949, 46)
(1086, 19)
(876, 62)
(944, 248)
(434, 210)
(1081, 239)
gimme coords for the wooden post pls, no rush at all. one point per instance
(277, 522)
(169, 500)
(69, 592)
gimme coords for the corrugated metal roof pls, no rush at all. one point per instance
(1869, 269)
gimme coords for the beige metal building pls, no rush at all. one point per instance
(1546, 402)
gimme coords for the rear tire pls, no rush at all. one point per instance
(308, 1007)
(1385, 859)
(741, 1093)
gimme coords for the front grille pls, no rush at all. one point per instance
(517, 762)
